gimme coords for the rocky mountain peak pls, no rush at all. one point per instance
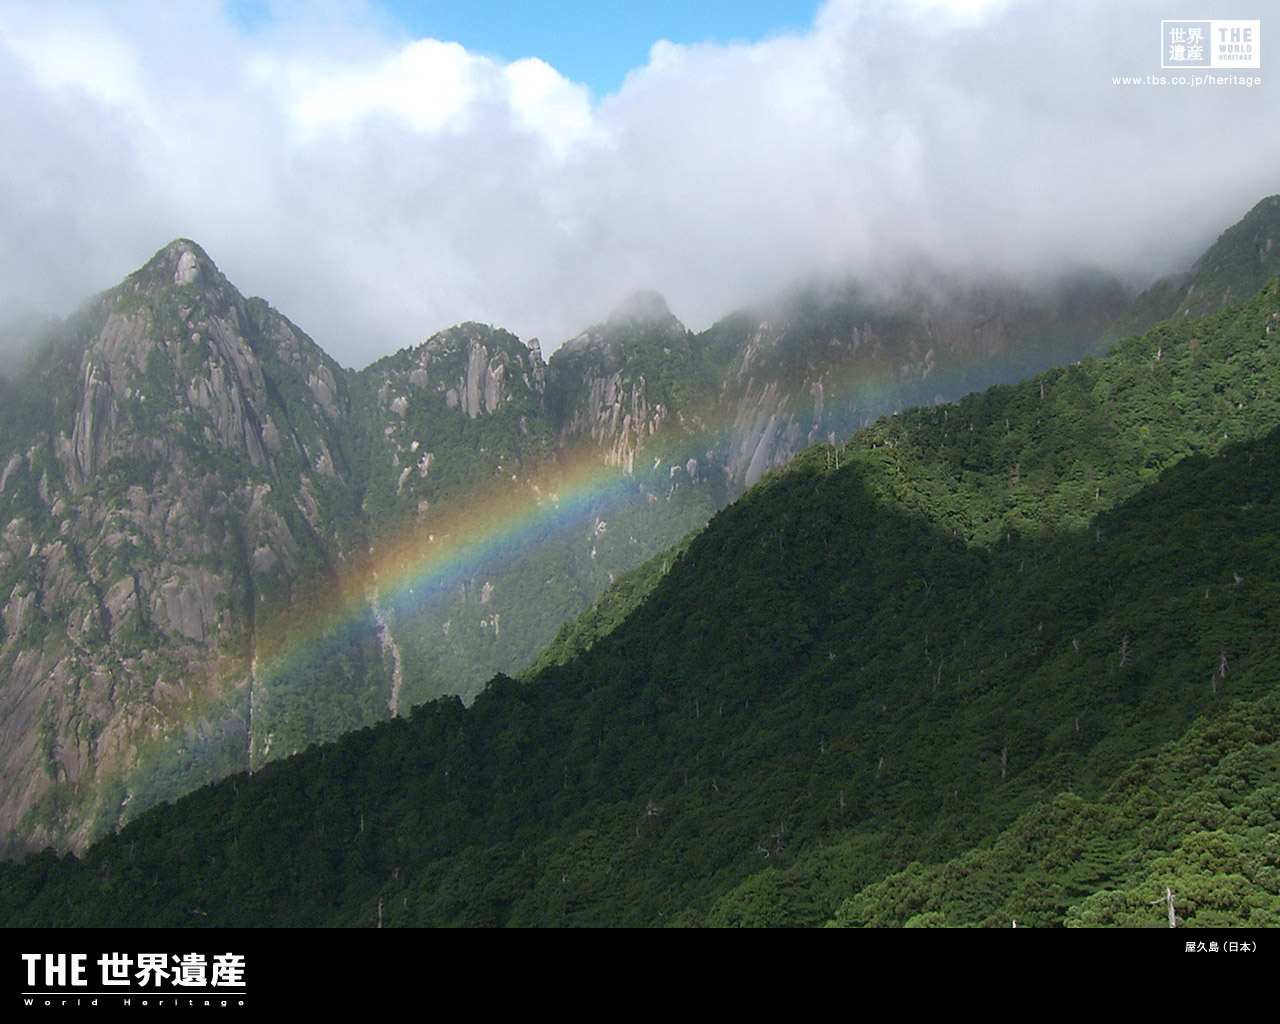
(182, 280)
(183, 468)
(454, 342)
(646, 308)
(642, 319)
(181, 262)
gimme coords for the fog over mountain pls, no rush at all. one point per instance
(381, 188)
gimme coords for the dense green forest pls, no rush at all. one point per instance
(1007, 659)
(253, 549)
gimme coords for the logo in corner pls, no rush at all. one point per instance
(1211, 44)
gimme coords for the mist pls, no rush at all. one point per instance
(377, 189)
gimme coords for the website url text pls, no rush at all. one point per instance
(1192, 80)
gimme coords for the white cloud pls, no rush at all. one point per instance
(377, 189)
(100, 66)
(550, 106)
(428, 84)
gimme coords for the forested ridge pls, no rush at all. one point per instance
(221, 547)
(1026, 638)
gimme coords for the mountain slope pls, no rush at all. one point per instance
(177, 477)
(1241, 261)
(1197, 821)
(250, 549)
(851, 668)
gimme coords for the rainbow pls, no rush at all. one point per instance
(491, 526)
(495, 523)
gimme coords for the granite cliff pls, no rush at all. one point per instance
(190, 487)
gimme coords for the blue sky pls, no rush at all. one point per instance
(592, 42)
(380, 170)
(595, 42)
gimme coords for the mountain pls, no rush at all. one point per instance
(1024, 637)
(222, 547)
(176, 471)
(633, 434)
(830, 360)
(1241, 261)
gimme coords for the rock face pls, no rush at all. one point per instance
(179, 471)
(463, 408)
(828, 362)
(196, 505)
(633, 387)
(461, 415)
(748, 394)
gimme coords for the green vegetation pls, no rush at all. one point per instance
(1198, 821)
(1243, 259)
(578, 635)
(1007, 659)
